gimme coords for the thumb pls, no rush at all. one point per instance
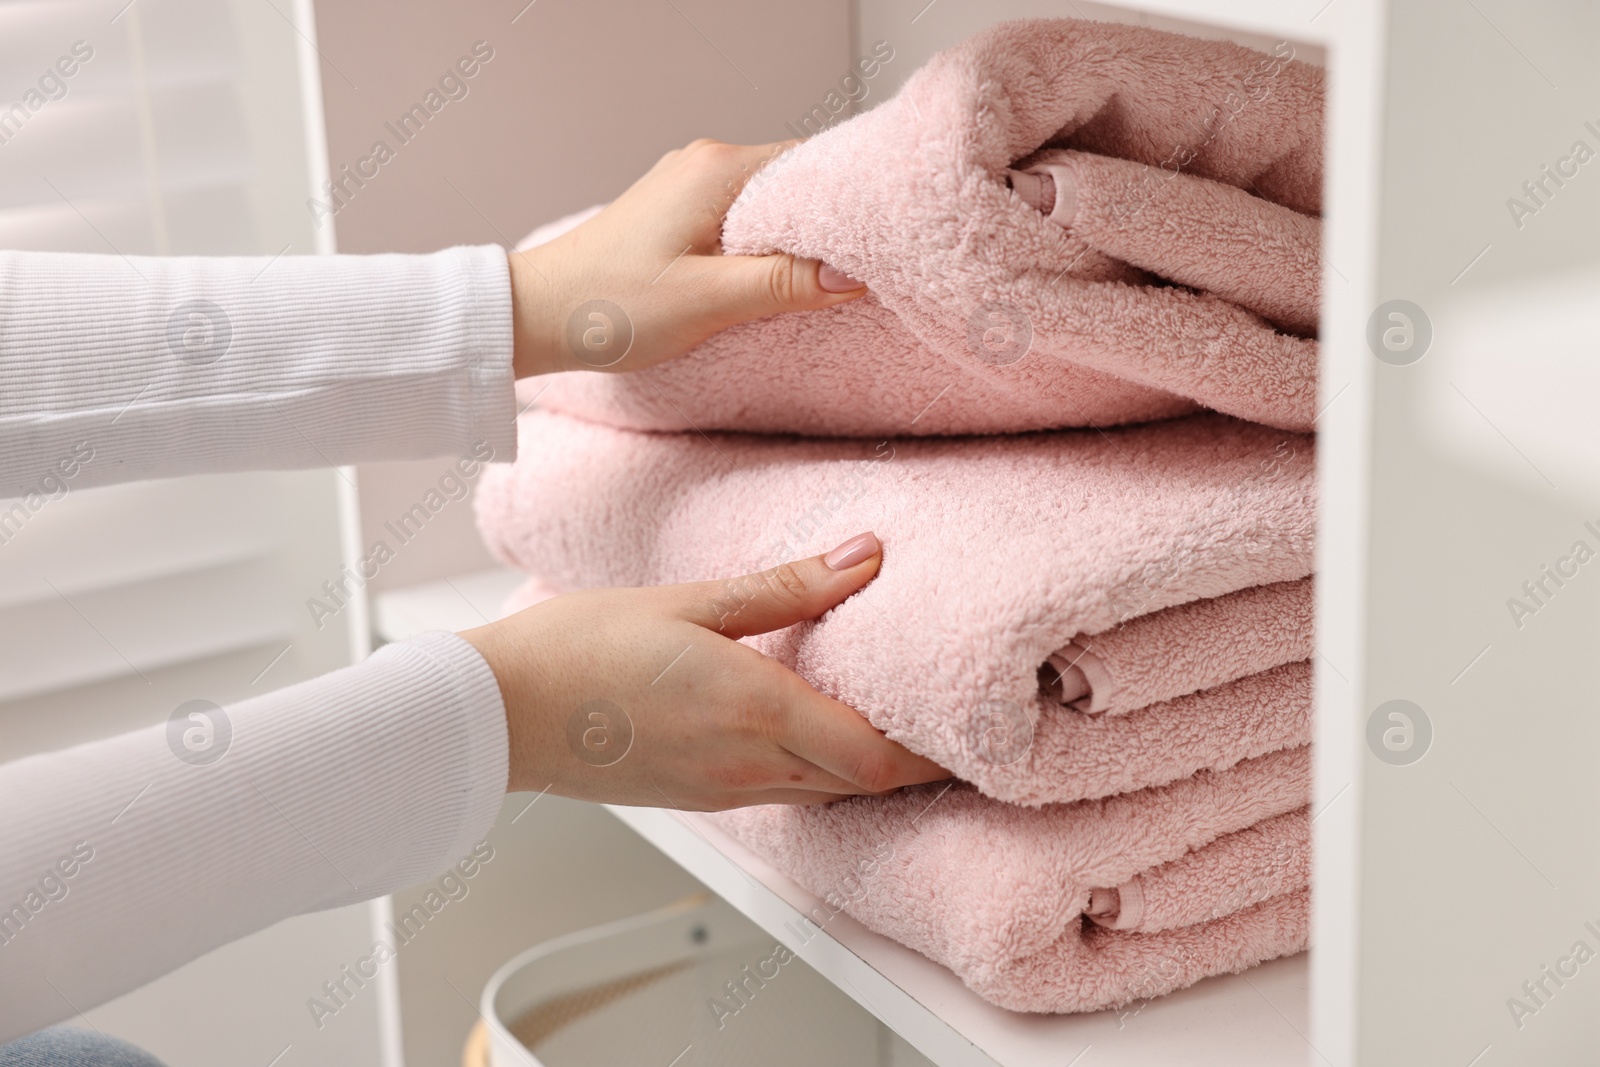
(756, 286)
(783, 595)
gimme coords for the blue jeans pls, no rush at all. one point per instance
(68, 1046)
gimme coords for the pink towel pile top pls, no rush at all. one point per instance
(1104, 633)
(1180, 272)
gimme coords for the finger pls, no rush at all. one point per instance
(795, 797)
(797, 773)
(1190, 230)
(746, 798)
(782, 596)
(717, 172)
(841, 741)
(753, 287)
(748, 287)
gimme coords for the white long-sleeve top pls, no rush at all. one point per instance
(118, 860)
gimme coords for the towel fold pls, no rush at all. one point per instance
(1193, 231)
(984, 316)
(1234, 872)
(997, 553)
(1182, 649)
(1005, 896)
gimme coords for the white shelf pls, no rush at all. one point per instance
(1258, 1017)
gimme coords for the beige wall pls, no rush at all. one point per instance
(577, 101)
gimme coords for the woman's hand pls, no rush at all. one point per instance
(643, 696)
(645, 280)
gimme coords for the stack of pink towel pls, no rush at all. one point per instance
(1179, 271)
(1104, 633)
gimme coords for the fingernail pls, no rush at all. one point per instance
(834, 280)
(861, 546)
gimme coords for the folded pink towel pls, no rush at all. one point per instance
(1232, 873)
(1006, 896)
(1182, 649)
(1154, 657)
(997, 553)
(1203, 234)
(1197, 169)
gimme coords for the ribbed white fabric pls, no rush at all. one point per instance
(119, 860)
(190, 365)
(335, 790)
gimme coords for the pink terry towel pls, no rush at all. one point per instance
(1195, 170)
(1235, 871)
(1069, 907)
(998, 552)
(1182, 649)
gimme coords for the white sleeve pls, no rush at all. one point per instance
(152, 367)
(121, 859)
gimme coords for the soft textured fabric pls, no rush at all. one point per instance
(997, 552)
(1077, 755)
(1154, 657)
(1181, 649)
(70, 1046)
(1193, 231)
(119, 860)
(1234, 872)
(982, 315)
(1000, 893)
(153, 367)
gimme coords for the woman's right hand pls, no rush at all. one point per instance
(651, 270)
(645, 696)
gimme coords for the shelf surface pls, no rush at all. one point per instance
(1259, 1017)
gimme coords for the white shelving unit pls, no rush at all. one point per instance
(1443, 886)
(1262, 1017)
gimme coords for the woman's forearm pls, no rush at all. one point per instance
(124, 858)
